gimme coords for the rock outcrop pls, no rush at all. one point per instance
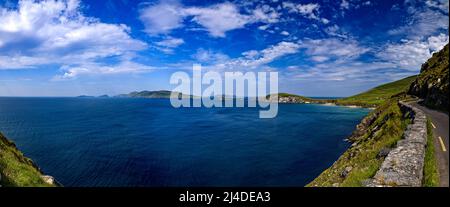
(433, 82)
(403, 165)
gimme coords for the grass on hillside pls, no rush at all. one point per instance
(378, 95)
(384, 132)
(430, 170)
(15, 169)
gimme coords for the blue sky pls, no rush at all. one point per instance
(319, 48)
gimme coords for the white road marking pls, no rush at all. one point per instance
(442, 144)
(434, 127)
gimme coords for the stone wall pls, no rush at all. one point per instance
(403, 166)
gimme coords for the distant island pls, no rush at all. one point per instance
(147, 94)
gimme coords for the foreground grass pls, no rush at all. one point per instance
(383, 132)
(378, 95)
(430, 170)
(15, 169)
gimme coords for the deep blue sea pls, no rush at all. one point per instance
(146, 142)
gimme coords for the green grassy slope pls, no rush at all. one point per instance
(378, 95)
(371, 98)
(16, 170)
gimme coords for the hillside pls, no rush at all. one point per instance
(17, 170)
(379, 94)
(432, 83)
(371, 98)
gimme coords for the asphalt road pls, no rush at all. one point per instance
(440, 127)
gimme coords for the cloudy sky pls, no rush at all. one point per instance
(319, 48)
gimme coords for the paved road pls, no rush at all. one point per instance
(440, 127)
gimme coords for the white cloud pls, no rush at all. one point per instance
(438, 42)
(266, 14)
(285, 33)
(73, 72)
(334, 48)
(332, 60)
(410, 54)
(218, 18)
(263, 27)
(344, 4)
(171, 42)
(56, 32)
(208, 56)
(168, 44)
(320, 58)
(162, 18)
(252, 59)
(338, 60)
(310, 11)
(438, 4)
(336, 31)
(423, 21)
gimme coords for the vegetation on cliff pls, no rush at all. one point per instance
(432, 83)
(16, 170)
(376, 134)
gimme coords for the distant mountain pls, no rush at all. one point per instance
(149, 94)
(85, 96)
(103, 96)
(432, 83)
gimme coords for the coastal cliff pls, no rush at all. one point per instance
(432, 83)
(16, 170)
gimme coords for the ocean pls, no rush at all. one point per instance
(128, 142)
